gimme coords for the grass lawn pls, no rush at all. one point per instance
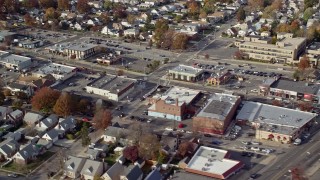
(111, 159)
(24, 169)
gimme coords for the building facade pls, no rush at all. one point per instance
(185, 73)
(286, 50)
(217, 114)
(16, 62)
(174, 104)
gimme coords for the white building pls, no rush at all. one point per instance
(112, 87)
(13, 61)
(58, 71)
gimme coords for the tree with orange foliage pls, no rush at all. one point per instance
(305, 106)
(193, 8)
(102, 119)
(45, 99)
(83, 6)
(63, 4)
(256, 4)
(304, 63)
(185, 148)
(64, 105)
(276, 103)
(30, 21)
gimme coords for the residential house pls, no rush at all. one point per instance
(124, 172)
(232, 32)
(216, 17)
(110, 31)
(118, 135)
(66, 125)
(8, 148)
(44, 143)
(47, 123)
(52, 135)
(97, 150)
(169, 143)
(154, 175)
(32, 118)
(46, 81)
(265, 34)
(15, 117)
(91, 169)
(73, 166)
(4, 111)
(131, 32)
(26, 154)
(15, 87)
(16, 135)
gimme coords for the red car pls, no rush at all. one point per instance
(181, 125)
(85, 119)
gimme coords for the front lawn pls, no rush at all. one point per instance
(25, 169)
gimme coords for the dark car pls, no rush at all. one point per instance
(253, 176)
(132, 117)
(207, 135)
(216, 142)
(243, 153)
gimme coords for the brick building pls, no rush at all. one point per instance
(174, 104)
(217, 114)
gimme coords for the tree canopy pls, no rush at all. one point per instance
(45, 99)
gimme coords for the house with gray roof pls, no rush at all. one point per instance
(66, 124)
(32, 118)
(92, 169)
(123, 172)
(8, 148)
(15, 117)
(120, 135)
(26, 154)
(4, 111)
(47, 123)
(46, 144)
(52, 135)
(154, 175)
(73, 166)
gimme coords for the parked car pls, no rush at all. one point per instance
(255, 148)
(254, 176)
(255, 143)
(245, 142)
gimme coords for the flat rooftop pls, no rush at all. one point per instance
(290, 43)
(186, 69)
(213, 161)
(314, 46)
(274, 115)
(81, 47)
(218, 106)
(296, 86)
(54, 68)
(6, 57)
(112, 83)
(72, 46)
(184, 95)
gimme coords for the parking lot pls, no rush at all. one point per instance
(8, 75)
(219, 49)
(51, 36)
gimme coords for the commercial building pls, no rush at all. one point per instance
(185, 73)
(286, 50)
(30, 44)
(174, 104)
(7, 35)
(293, 90)
(111, 86)
(13, 61)
(74, 50)
(58, 71)
(313, 53)
(275, 123)
(214, 163)
(217, 114)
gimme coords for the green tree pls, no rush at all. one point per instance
(310, 3)
(308, 14)
(17, 103)
(107, 4)
(241, 14)
(178, 18)
(85, 139)
(296, 75)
